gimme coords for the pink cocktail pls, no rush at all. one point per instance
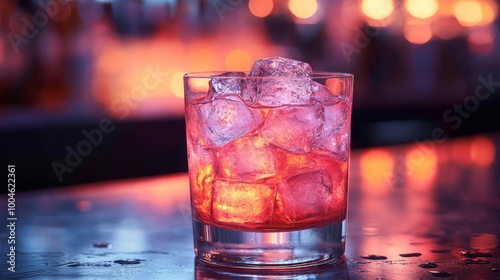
(268, 155)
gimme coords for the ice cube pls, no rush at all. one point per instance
(224, 120)
(280, 67)
(227, 85)
(335, 117)
(292, 128)
(194, 132)
(323, 94)
(311, 195)
(306, 195)
(288, 82)
(290, 164)
(247, 159)
(237, 202)
(201, 164)
(333, 134)
(335, 145)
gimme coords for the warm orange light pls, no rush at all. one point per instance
(238, 59)
(260, 8)
(446, 8)
(422, 167)
(199, 85)
(303, 9)
(202, 54)
(421, 8)
(164, 193)
(482, 150)
(377, 9)
(113, 60)
(468, 12)
(417, 33)
(490, 11)
(132, 78)
(177, 84)
(377, 169)
(379, 23)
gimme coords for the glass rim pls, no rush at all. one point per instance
(316, 75)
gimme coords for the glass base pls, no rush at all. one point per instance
(269, 250)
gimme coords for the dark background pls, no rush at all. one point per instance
(65, 65)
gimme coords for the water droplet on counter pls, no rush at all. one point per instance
(78, 264)
(409, 255)
(428, 265)
(440, 251)
(101, 245)
(74, 264)
(475, 261)
(374, 257)
(436, 273)
(122, 262)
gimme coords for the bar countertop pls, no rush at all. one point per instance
(408, 205)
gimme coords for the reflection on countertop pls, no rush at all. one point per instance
(441, 201)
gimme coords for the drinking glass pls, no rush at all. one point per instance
(268, 168)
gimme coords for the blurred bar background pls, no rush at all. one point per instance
(92, 90)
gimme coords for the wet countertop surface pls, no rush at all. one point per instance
(409, 205)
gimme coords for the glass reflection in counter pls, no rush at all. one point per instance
(330, 271)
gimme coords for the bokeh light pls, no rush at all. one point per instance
(421, 164)
(260, 8)
(417, 32)
(446, 8)
(481, 42)
(377, 9)
(468, 12)
(489, 10)
(303, 9)
(238, 59)
(482, 150)
(377, 170)
(177, 84)
(421, 8)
